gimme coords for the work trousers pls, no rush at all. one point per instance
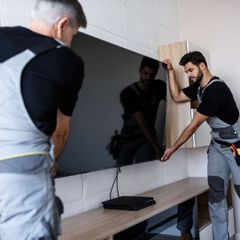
(27, 207)
(221, 163)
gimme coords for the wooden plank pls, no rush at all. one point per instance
(100, 223)
(179, 111)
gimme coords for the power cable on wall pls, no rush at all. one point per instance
(118, 170)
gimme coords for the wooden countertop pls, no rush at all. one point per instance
(103, 223)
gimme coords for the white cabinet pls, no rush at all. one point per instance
(179, 115)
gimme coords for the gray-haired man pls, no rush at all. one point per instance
(40, 79)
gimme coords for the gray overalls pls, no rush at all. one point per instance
(221, 163)
(27, 200)
(18, 134)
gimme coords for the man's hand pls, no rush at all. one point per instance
(198, 119)
(141, 121)
(60, 134)
(167, 154)
(54, 169)
(168, 62)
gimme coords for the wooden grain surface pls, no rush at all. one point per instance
(99, 224)
(178, 114)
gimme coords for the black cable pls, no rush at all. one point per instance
(118, 170)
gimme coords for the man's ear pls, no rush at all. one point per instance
(61, 25)
(202, 66)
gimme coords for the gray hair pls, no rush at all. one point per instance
(50, 11)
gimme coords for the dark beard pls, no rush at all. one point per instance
(199, 77)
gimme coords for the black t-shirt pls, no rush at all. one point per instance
(134, 99)
(217, 100)
(51, 81)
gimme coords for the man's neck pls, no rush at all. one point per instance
(142, 86)
(206, 78)
(41, 28)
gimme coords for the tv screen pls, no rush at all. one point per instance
(112, 100)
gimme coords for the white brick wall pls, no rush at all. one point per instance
(139, 25)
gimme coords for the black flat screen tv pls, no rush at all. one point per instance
(98, 112)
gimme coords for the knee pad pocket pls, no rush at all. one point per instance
(217, 191)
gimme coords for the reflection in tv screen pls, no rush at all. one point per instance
(119, 118)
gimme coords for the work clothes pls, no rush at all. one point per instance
(217, 102)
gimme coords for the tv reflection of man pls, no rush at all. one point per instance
(140, 101)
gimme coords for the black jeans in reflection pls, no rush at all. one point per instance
(135, 151)
(185, 216)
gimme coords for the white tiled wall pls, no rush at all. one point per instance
(139, 25)
(70, 190)
(87, 191)
(14, 13)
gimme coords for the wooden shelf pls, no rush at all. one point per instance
(100, 224)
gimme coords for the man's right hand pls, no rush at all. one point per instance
(55, 168)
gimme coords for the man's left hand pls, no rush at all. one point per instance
(167, 154)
